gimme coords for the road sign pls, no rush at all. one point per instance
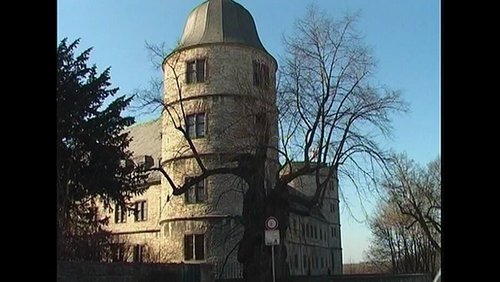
(271, 223)
(272, 237)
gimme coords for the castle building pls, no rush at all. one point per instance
(219, 86)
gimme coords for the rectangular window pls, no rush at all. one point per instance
(118, 252)
(296, 262)
(195, 125)
(139, 252)
(332, 207)
(305, 262)
(195, 193)
(303, 230)
(333, 261)
(260, 75)
(194, 247)
(333, 232)
(140, 211)
(188, 247)
(195, 71)
(199, 246)
(120, 214)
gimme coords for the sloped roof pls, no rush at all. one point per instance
(298, 205)
(220, 21)
(146, 139)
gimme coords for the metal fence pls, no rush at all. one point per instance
(232, 270)
(354, 278)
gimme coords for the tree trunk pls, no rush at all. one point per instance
(258, 205)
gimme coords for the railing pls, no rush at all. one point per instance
(231, 270)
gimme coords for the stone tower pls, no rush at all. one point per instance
(219, 86)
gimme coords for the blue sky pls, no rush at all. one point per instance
(404, 37)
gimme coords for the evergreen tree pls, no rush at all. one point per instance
(91, 153)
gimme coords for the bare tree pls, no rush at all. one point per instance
(407, 228)
(398, 245)
(416, 192)
(329, 115)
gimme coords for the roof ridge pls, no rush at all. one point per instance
(143, 122)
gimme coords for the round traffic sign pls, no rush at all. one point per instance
(271, 223)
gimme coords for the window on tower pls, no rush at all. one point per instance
(260, 75)
(194, 247)
(195, 125)
(195, 71)
(195, 193)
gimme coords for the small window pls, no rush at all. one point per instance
(332, 208)
(195, 71)
(260, 75)
(139, 253)
(195, 125)
(140, 211)
(118, 252)
(333, 232)
(195, 193)
(120, 214)
(333, 261)
(305, 262)
(296, 261)
(194, 247)
(303, 230)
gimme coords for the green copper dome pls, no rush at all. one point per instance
(220, 21)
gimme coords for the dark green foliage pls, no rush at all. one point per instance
(91, 147)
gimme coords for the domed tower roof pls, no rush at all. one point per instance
(220, 21)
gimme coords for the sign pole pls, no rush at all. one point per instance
(272, 256)
(271, 238)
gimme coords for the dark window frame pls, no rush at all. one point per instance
(198, 122)
(194, 191)
(120, 214)
(139, 253)
(196, 71)
(194, 247)
(141, 210)
(118, 252)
